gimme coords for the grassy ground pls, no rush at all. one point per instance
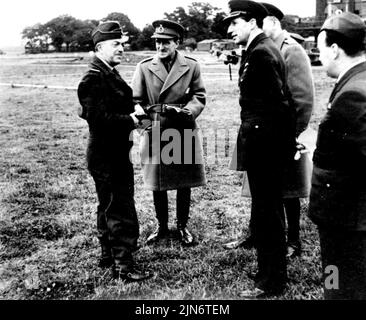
(48, 248)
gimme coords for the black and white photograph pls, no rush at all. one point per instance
(206, 153)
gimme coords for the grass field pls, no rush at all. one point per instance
(48, 248)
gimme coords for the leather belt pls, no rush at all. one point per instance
(163, 107)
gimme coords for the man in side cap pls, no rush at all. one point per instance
(266, 140)
(169, 87)
(107, 106)
(338, 194)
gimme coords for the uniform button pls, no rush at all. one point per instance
(328, 185)
(256, 127)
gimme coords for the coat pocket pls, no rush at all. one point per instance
(334, 199)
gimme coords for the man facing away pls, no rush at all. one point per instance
(170, 89)
(298, 172)
(107, 106)
(266, 140)
(338, 194)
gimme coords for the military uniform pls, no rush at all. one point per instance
(107, 104)
(265, 143)
(297, 177)
(338, 195)
(106, 101)
(165, 90)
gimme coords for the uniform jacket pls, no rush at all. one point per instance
(265, 112)
(106, 102)
(183, 85)
(299, 79)
(297, 180)
(338, 195)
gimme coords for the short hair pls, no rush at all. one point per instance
(352, 47)
(249, 17)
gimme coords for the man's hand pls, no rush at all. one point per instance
(134, 118)
(139, 110)
(300, 150)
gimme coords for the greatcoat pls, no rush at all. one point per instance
(183, 167)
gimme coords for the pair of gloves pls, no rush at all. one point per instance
(140, 114)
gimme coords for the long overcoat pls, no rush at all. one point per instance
(183, 166)
(297, 178)
(338, 193)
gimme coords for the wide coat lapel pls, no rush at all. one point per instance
(158, 69)
(179, 68)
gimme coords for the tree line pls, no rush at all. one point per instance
(66, 33)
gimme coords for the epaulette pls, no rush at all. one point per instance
(95, 70)
(188, 57)
(146, 59)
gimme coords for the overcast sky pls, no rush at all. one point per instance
(15, 15)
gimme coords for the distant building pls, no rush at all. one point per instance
(216, 44)
(325, 8)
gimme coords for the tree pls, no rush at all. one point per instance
(83, 35)
(62, 30)
(201, 21)
(178, 15)
(38, 37)
(144, 41)
(126, 25)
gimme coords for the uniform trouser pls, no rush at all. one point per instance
(345, 250)
(183, 203)
(292, 208)
(117, 222)
(267, 214)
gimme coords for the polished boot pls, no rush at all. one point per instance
(185, 236)
(160, 232)
(183, 203)
(129, 273)
(161, 209)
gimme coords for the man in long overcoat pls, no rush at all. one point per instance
(266, 140)
(170, 89)
(107, 106)
(338, 194)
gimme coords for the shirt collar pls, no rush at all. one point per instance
(252, 36)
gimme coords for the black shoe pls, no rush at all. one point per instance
(185, 236)
(293, 251)
(245, 243)
(157, 235)
(130, 274)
